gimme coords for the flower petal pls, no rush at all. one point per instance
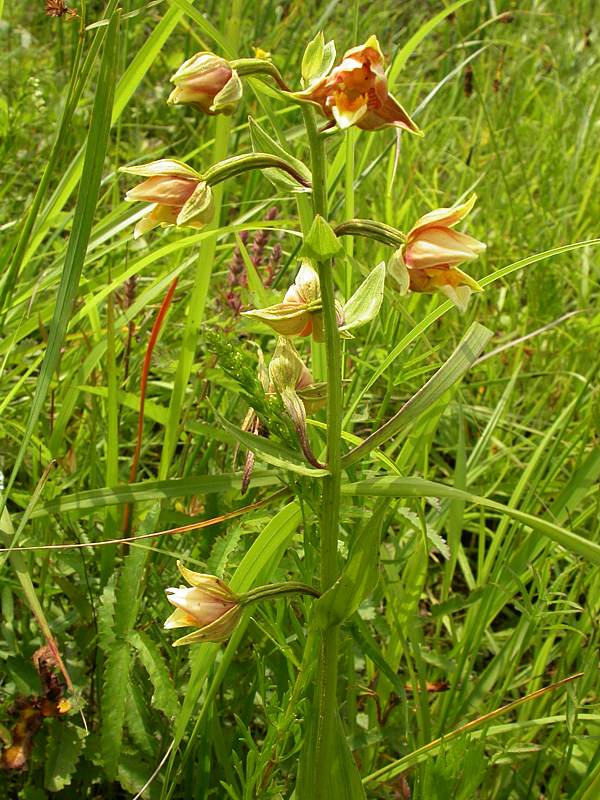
(162, 167)
(443, 217)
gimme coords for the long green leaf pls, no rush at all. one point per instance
(272, 453)
(95, 152)
(418, 487)
(87, 502)
(454, 368)
(415, 40)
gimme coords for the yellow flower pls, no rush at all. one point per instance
(356, 93)
(300, 312)
(208, 604)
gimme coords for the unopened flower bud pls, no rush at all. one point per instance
(178, 194)
(208, 605)
(208, 83)
(291, 379)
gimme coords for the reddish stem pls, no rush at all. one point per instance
(154, 333)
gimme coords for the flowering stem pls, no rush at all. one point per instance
(371, 229)
(257, 67)
(326, 678)
(277, 590)
(236, 165)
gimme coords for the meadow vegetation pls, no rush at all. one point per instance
(466, 623)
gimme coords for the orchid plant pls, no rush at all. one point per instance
(425, 259)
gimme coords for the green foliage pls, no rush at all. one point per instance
(479, 499)
(64, 745)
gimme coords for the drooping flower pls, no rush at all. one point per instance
(208, 604)
(356, 92)
(433, 242)
(300, 312)
(208, 83)
(177, 193)
(292, 380)
(428, 261)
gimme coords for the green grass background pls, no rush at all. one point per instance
(507, 94)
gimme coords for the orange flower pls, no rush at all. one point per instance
(208, 605)
(450, 281)
(177, 193)
(356, 93)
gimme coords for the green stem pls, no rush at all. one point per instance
(236, 165)
(370, 229)
(259, 68)
(277, 590)
(326, 679)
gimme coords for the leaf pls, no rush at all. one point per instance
(415, 40)
(222, 549)
(97, 143)
(419, 487)
(262, 142)
(128, 596)
(366, 301)
(317, 60)
(321, 243)
(90, 501)
(449, 373)
(340, 779)
(64, 744)
(359, 576)
(165, 696)
(106, 615)
(269, 451)
(114, 697)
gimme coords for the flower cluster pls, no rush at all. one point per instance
(353, 93)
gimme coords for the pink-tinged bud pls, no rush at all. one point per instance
(356, 92)
(432, 242)
(209, 605)
(177, 192)
(208, 83)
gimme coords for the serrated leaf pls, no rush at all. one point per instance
(321, 243)
(366, 301)
(263, 143)
(64, 744)
(114, 697)
(222, 549)
(165, 696)
(106, 615)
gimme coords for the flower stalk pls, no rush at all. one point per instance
(326, 705)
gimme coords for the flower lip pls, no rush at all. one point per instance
(356, 93)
